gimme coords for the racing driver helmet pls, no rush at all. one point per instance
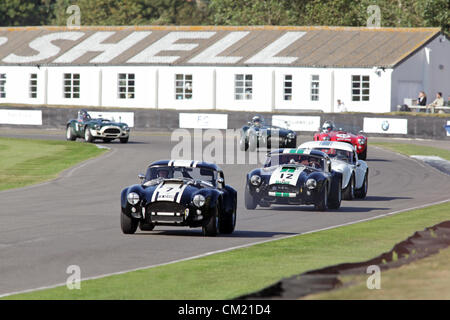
(256, 120)
(327, 126)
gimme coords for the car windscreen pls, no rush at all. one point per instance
(338, 154)
(170, 172)
(292, 158)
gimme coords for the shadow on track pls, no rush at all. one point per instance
(198, 233)
(381, 198)
(118, 142)
(342, 209)
(378, 160)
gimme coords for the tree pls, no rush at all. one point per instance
(134, 12)
(253, 12)
(25, 12)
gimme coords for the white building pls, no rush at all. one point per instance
(223, 68)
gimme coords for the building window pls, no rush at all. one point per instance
(71, 85)
(2, 85)
(314, 87)
(126, 83)
(287, 87)
(360, 88)
(183, 86)
(243, 86)
(33, 85)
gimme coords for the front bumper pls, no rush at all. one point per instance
(169, 213)
(290, 196)
(111, 132)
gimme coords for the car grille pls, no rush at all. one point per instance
(112, 131)
(283, 188)
(165, 206)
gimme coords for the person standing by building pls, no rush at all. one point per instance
(340, 106)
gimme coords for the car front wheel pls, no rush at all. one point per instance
(361, 193)
(363, 155)
(212, 226)
(70, 134)
(252, 142)
(87, 135)
(349, 191)
(250, 201)
(228, 222)
(124, 140)
(336, 195)
(128, 224)
(322, 203)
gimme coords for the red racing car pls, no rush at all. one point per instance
(331, 133)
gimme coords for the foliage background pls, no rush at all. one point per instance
(394, 13)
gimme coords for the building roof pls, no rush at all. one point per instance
(215, 45)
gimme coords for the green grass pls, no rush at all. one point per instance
(27, 161)
(231, 274)
(413, 149)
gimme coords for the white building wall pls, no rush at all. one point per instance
(301, 89)
(202, 88)
(380, 89)
(89, 86)
(422, 71)
(262, 89)
(17, 85)
(145, 87)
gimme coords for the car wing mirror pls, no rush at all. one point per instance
(358, 163)
(141, 177)
(220, 182)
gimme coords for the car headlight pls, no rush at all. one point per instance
(311, 184)
(125, 128)
(326, 138)
(255, 180)
(96, 127)
(361, 141)
(199, 200)
(133, 198)
(291, 135)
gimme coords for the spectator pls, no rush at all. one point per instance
(341, 106)
(438, 102)
(422, 99)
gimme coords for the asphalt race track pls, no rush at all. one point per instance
(74, 220)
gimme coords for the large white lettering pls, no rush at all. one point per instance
(3, 40)
(167, 43)
(44, 46)
(210, 55)
(109, 50)
(267, 55)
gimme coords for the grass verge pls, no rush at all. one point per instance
(428, 278)
(28, 161)
(414, 149)
(234, 273)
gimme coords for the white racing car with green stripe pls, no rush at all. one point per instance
(294, 177)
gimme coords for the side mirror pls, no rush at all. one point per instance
(141, 177)
(249, 123)
(358, 164)
(220, 182)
